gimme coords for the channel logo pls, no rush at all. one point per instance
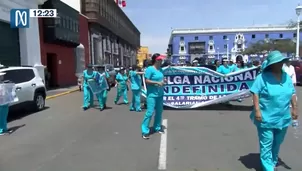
(19, 18)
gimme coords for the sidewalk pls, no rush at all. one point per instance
(61, 91)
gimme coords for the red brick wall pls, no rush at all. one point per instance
(84, 39)
(64, 75)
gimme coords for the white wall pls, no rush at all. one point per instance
(29, 37)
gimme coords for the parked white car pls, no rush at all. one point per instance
(30, 87)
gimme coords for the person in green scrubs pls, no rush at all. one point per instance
(88, 75)
(216, 64)
(232, 65)
(121, 80)
(102, 78)
(239, 65)
(136, 86)
(154, 79)
(273, 93)
(224, 68)
(3, 113)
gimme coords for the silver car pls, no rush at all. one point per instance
(112, 73)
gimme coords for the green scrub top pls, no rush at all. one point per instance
(224, 69)
(154, 75)
(136, 80)
(238, 69)
(122, 80)
(274, 100)
(87, 76)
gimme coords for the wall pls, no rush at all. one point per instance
(220, 42)
(29, 37)
(84, 37)
(65, 73)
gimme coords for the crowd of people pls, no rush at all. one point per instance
(273, 92)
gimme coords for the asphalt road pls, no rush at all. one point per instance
(65, 138)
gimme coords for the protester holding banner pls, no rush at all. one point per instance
(121, 80)
(7, 96)
(224, 68)
(102, 78)
(239, 65)
(216, 64)
(88, 75)
(136, 84)
(154, 79)
(3, 113)
(273, 92)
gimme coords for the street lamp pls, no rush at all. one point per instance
(298, 12)
(227, 44)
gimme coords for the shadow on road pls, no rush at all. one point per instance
(219, 107)
(15, 114)
(252, 161)
(13, 129)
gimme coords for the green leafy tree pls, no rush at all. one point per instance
(264, 46)
(293, 24)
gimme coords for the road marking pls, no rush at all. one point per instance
(61, 94)
(162, 160)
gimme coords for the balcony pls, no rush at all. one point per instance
(64, 29)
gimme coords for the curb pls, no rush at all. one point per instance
(62, 94)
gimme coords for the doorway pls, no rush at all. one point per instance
(51, 71)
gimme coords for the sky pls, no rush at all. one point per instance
(156, 18)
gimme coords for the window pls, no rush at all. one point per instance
(19, 76)
(225, 37)
(196, 38)
(280, 35)
(211, 37)
(225, 46)
(295, 35)
(182, 39)
(266, 36)
(63, 22)
(239, 46)
(211, 47)
(182, 48)
(253, 36)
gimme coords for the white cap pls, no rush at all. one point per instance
(195, 61)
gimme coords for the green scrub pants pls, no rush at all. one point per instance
(88, 97)
(136, 101)
(102, 98)
(269, 142)
(153, 104)
(121, 92)
(3, 118)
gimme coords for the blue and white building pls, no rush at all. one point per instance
(216, 43)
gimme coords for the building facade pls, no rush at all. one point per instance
(142, 55)
(114, 39)
(59, 38)
(187, 44)
(19, 46)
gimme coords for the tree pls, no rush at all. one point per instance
(293, 24)
(264, 46)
